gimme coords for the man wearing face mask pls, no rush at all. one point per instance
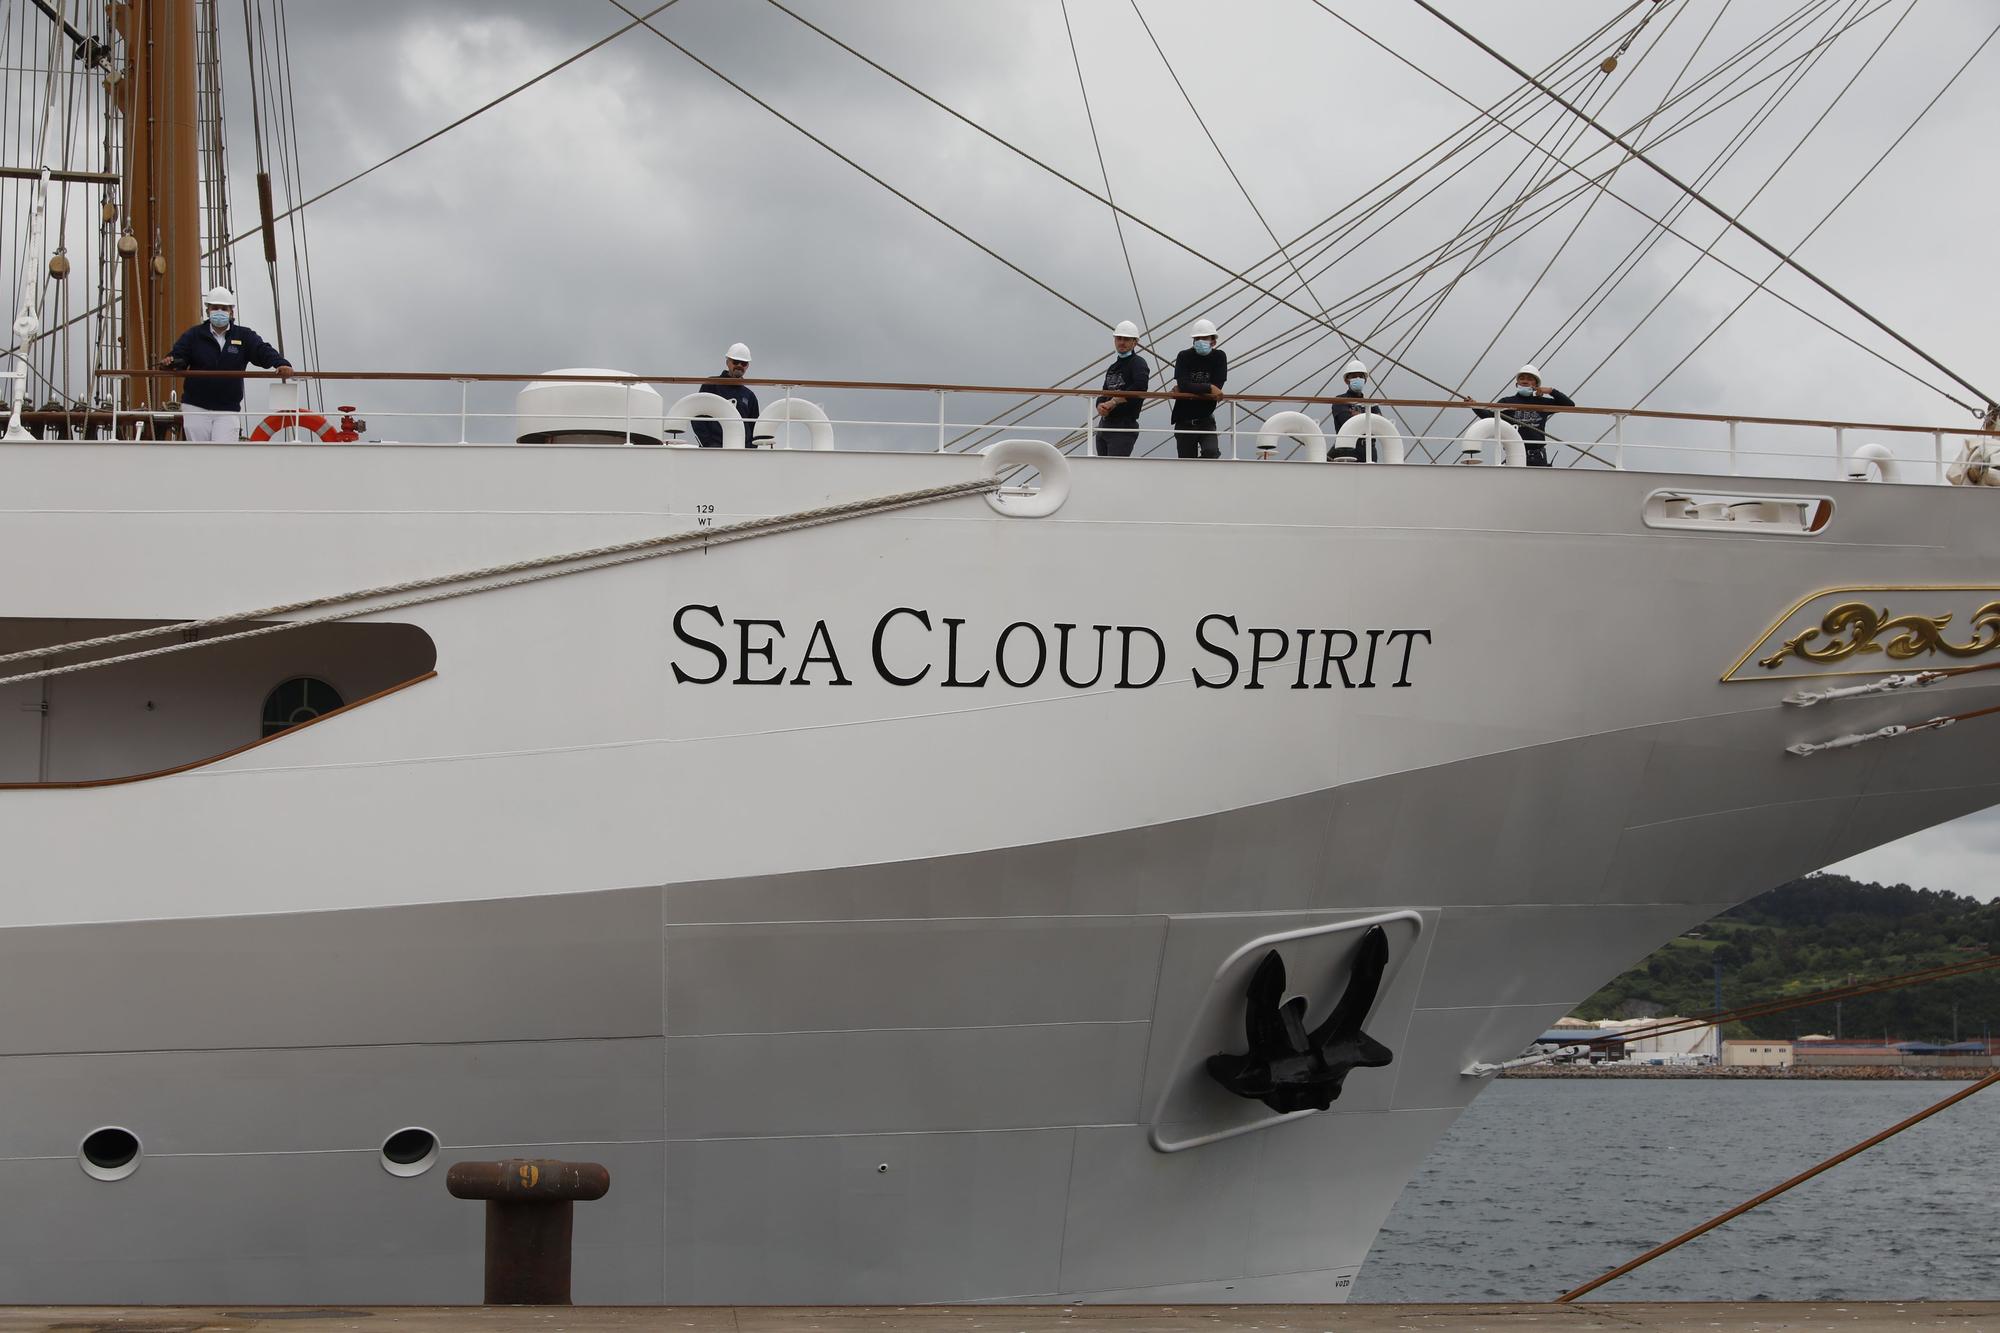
(212, 408)
(1532, 417)
(1201, 370)
(730, 385)
(1117, 415)
(1356, 376)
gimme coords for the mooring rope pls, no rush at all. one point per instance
(511, 575)
(1778, 1189)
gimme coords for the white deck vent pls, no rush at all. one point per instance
(577, 411)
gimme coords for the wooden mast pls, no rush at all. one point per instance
(161, 273)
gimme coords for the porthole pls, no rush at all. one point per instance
(409, 1152)
(110, 1153)
(300, 699)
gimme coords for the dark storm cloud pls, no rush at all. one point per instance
(634, 211)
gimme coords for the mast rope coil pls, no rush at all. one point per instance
(490, 578)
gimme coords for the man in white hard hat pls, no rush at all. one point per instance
(730, 385)
(1200, 370)
(1355, 376)
(212, 407)
(1532, 417)
(1128, 373)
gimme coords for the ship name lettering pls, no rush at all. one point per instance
(910, 646)
(1270, 646)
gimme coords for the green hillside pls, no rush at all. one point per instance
(1817, 932)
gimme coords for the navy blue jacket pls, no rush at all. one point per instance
(1133, 375)
(196, 350)
(1194, 372)
(709, 433)
(1532, 424)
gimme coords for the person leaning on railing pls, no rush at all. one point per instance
(1356, 376)
(1118, 416)
(1202, 370)
(1532, 419)
(729, 384)
(212, 407)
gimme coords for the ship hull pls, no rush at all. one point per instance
(887, 992)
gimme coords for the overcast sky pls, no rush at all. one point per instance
(634, 211)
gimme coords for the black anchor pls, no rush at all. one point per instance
(1289, 1069)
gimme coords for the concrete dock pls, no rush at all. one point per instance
(1731, 1317)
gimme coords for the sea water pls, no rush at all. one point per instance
(1544, 1184)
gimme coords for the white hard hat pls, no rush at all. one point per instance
(219, 296)
(1126, 329)
(737, 352)
(1529, 370)
(1353, 368)
(1202, 329)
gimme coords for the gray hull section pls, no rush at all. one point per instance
(924, 1081)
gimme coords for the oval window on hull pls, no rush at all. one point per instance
(300, 699)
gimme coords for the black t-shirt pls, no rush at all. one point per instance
(1194, 371)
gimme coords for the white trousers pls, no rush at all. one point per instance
(205, 426)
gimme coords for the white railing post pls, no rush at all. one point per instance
(1233, 454)
(628, 412)
(790, 393)
(464, 389)
(1733, 464)
(1840, 451)
(940, 398)
(1618, 439)
(1937, 455)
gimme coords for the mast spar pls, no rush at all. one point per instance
(160, 249)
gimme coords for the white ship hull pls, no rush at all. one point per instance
(879, 992)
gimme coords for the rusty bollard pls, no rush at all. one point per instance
(530, 1209)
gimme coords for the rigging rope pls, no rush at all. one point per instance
(1826, 217)
(1022, 153)
(1703, 200)
(514, 574)
(1772, 1193)
(1117, 222)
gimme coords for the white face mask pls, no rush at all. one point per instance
(1528, 388)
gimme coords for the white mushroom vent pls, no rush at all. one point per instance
(587, 406)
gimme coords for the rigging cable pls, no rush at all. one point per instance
(252, 46)
(443, 130)
(1828, 215)
(1117, 222)
(1018, 151)
(1703, 200)
(1780, 1188)
(1840, 96)
(934, 216)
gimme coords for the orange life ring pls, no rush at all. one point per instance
(279, 422)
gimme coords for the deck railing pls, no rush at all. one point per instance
(1429, 430)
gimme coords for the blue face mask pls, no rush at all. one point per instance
(219, 318)
(1530, 389)
(1356, 383)
(1203, 346)
(1133, 352)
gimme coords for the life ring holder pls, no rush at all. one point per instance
(1294, 426)
(819, 428)
(277, 423)
(1513, 450)
(1366, 428)
(712, 407)
(1045, 458)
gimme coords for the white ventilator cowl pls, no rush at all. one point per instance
(1353, 368)
(1126, 329)
(219, 296)
(737, 352)
(1529, 370)
(1202, 329)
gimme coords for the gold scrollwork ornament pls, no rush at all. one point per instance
(1855, 627)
